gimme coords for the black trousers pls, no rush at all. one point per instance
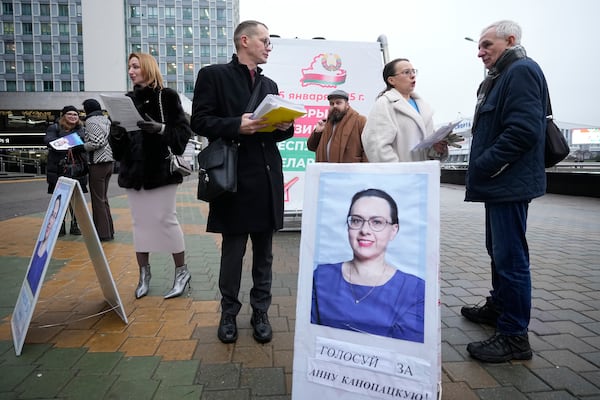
(99, 178)
(233, 248)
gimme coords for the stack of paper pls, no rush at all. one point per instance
(443, 133)
(121, 108)
(66, 142)
(276, 109)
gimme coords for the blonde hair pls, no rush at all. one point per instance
(150, 70)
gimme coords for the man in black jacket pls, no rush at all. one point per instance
(221, 97)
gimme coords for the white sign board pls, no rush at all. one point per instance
(67, 192)
(306, 71)
(379, 337)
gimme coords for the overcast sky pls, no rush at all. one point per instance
(563, 36)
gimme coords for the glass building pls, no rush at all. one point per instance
(82, 45)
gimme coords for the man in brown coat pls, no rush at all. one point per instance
(337, 139)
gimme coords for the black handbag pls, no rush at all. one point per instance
(217, 163)
(217, 169)
(556, 148)
(73, 165)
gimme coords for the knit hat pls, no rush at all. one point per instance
(338, 94)
(91, 105)
(66, 109)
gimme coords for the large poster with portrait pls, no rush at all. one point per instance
(67, 194)
(368, 318)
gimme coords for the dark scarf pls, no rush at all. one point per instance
(507, 58)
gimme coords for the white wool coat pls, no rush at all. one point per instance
(394, 127)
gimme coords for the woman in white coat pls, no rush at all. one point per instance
(400, 119)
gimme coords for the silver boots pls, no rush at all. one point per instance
(182, 279)
(144, 284)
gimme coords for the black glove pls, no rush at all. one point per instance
(116, 130)
(150, 126)
(78, 149)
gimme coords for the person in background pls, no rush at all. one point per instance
(144, 170)
(101, 164)
(367, 294)
(221, 96)
(67, 124)
(400, 119)
(506, 171)
(337, 138)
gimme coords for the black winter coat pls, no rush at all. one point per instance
(144, 158)
(53, 172)
(221, 95)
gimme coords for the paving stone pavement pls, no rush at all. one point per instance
(169, 349)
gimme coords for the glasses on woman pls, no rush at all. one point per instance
(407, 72)
(72, 114)
(377, 224)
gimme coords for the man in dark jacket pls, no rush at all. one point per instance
(221, 97)
(506, 171)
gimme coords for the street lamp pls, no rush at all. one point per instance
(469, 39)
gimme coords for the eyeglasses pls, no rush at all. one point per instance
(407, 72)
(377, 224)
(72, 114)
(267, 43)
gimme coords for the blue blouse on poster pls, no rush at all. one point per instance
(394, 309)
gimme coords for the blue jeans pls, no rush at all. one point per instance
(505, 227)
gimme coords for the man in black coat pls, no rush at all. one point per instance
(221, 97)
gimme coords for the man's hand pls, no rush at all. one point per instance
(251, 126)
(116, 130)
(151, 126)
(320, 126)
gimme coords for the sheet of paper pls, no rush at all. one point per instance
(437, 136)
(276, 109)
(66, 142)
(121, 108)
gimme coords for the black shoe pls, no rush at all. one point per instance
(486, 314)
(227, 332)
(261, 327)
(63, 230)
(500, 348)
(75, 229)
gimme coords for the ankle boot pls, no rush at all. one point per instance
(74, 227)
(63, 230)
(144, 284)
(182, 279)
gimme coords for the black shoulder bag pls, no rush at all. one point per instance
(556, 148)
(217, 163)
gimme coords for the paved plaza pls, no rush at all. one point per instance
(169, 349)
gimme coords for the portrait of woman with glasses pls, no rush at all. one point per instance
(368, 294)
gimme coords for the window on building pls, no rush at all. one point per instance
(25, 9)
(46, 67)
(152, 31)
(63, 10)
(9, 28)
(45, 10)
(65, 67)
(153, 49)
(63, 29)
(171, 50)
(79, 29)
(27, 28)
(81, 86)
(171, 68)
(81, 71)
(188, 87)
(11, 86)
(188, 31)
(136, 30)
(65, 49)
(222, 32)
(170, 31)
(29, 86)
(222, 51)
(48, 86)
(9, 47)
(28, 67)
(46, 29)
(7, 8)
(10, 67)
(205, 50)
(27, 47)
(221, 15)
(135, 11)
(188, 69)
(66, 86)
(152, 12)
(172, 85)
(188, 50)
(169, 12)
(47, 48)
(136, 48)
(204, 32)
(204, 14)
(187, 13)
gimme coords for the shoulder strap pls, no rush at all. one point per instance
(253, 99)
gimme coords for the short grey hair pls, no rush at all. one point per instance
(506, 28)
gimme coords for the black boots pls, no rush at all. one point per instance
(74, 227)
